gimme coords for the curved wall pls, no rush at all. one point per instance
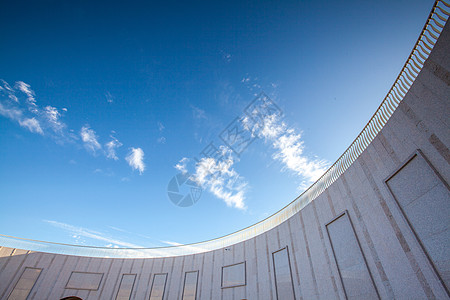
(381, 230)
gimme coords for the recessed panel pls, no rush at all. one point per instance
(355, 276)
(233, 275)
(158, 286)
(84, 281)
(424, 199)
(283, 275)
(126, 287)
(25, 284)
(190, 285)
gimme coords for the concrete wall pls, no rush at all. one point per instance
(380, 231)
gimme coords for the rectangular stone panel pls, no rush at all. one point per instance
(25, 284)
(233, 275)
(158, 286)
(190, 285)
(355, 276)
(424, 199)
(283, 275)
(126, 287)
(84, 281)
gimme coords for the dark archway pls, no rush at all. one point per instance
(71, 298)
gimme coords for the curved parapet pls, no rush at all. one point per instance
(374, 226)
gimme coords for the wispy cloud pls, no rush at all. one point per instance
(253, 84)
(182, 164)
(246, 79)
(6, 88)
(161, 127)
(161, 139)
(135, 159)
(129, 232)
(109, 97)
(111, 147)
(198, 113)
(289, 146)
(26, 89)
(16, 115)
(89, 139)
(108, 172)
(171, 243)
(220, 178)
(32, 125)
(77, 231)
(53, 117)
(226, 56)
(19, 104)
(10, 112)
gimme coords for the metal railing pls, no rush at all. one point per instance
(414, 64)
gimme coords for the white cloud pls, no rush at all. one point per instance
(6, 88)
(198, 113)
(136, 159)
(171, 243)
(109, 97)
(52, 116)
(161, 139)
(47, 121)
(11, 113)
(77, 232)
(181, 165)
(220, 179)
(161, 127)
(129, 232)
(118, 229)
(290, 152)
(289, 149)
(16, 115)
(111, 147)
(41, 119)
(108, 172)
(226, 56)
(90, 139)
(13, 97)
(32, 125)
(26, 89)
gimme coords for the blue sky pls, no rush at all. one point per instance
(103, 103)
